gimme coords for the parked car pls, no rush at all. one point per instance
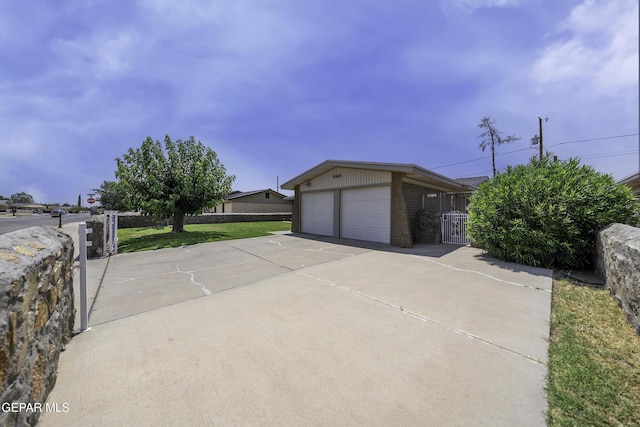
(58, 212)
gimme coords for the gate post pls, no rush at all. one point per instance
(110, 245)
(82, 237)
(105, 229)
(115, 232)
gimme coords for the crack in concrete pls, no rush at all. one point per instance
(191, 273)
(423, 318)
(322, 249)
(464, 270)
(203, 287)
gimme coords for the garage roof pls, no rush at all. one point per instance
(412, 173)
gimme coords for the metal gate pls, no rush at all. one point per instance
(110, 233)
(454, 228)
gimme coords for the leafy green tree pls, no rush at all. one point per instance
(21, 198)
(111, 196)
(492, 137)
(183, 178)
(79, 200)
(547, 213)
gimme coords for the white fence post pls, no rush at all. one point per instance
(115, 232)
(110, 245)
(105, 228)
(84, 312)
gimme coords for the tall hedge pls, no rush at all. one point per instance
(547, 213)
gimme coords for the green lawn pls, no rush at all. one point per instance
(594, 360)
(150, 238)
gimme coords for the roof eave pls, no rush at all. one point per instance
(409, 169)
(630, 178)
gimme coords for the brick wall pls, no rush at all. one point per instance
(424, 224)
(400, 222)
(413, 200)
(295, 215)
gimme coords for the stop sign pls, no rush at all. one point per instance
(91, 200)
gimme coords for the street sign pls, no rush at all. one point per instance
(91, 200)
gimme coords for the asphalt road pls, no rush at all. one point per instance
(14, 223)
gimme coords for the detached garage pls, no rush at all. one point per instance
(375, 202)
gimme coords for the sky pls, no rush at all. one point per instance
(276, 87)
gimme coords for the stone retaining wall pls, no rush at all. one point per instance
(96, 237)
(36, 318)
(131, 220)
(618, 262)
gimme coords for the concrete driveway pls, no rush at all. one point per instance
(289, 330)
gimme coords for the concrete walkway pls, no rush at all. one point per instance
(289, 330)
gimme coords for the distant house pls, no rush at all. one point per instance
(461, 200)
(24, 207)
(633, 181)
(258, 201)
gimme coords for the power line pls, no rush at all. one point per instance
(595, 139)
(621, 153)
(528, 148)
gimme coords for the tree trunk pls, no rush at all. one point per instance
(178, 222)
(493, 157)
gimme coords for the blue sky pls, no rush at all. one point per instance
(278, 86)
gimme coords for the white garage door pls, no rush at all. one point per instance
(366, 214)
(317, 213)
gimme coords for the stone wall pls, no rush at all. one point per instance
(131, 220)
(618, 262)
(96, 237)
(36, 318)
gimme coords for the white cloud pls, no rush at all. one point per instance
(101, 55)
(600, 54)
(585, 80)
(229, 28)
(468, 6)
(230, 48)
(184, 14)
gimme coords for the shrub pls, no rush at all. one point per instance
(547, 213)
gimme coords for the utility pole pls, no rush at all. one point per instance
(538, 139)
(540, 125)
